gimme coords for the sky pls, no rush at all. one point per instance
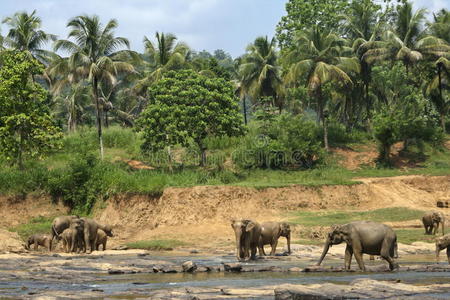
(203, 24)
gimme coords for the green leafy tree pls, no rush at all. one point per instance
(26, 127)
(318, 58)
(25, 35)
(185, 106)
(95, 56)
(303, 14)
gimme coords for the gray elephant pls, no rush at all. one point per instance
(101, 239)
(37, 240)
(431, 221)
(91, 228)
(442, 243)
(247, 234)
(270, 233)
(72, 237)
(61, 223)
(363, 237)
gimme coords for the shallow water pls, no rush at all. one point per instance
(20, 278)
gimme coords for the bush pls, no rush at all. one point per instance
(338, 135)
(284, 141)
(79, 185)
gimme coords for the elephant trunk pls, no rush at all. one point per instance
(288, 238)
(443, 226)
(238, 247)
(325, 251)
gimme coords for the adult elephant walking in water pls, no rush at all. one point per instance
(363, 237)
(247, 234)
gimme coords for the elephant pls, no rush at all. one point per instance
(61, 223)
(431, 221)
(101, 239)
(270, 233)
(37, 240)
(442, 243)
(363, 237)
(72, 237)
(91, 228)
(247, 234)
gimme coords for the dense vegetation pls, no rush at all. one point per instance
(336, 73)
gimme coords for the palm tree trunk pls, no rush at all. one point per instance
(442, 114)
(323, 118)
(98, 115)
(244, 104)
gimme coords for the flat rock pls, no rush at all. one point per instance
(189, 266)
(232, 267)
(358, 289)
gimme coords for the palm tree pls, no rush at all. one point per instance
(25, 35)
(317, 58)
(440, 28)
(96, 56)
(363, 23)
(259, 71)
(403, 43)
(164, 55)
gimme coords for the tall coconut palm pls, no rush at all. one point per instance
(95, 53)
(363, 24)
(25, 35)
(164, 55)
(401, 43)
(259, 72)
(317, 57)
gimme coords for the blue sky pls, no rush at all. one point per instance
(202, 24)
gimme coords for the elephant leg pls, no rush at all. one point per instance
(385, 253)
(434, 228)
(348, 257)
(253, 252)
(359, 259)
(448, 254)
(87, 242)
(274, 247)
(261, 250)
(36, 245)
(104, 245)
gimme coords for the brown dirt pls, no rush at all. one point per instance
(16, 210)
(200, 215)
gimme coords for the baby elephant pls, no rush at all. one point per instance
(101, 239)
(270, 233)
(72, 238)
(442, 243)
(43, 240)
(431, 221)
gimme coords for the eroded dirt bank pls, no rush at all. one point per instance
(202, 213)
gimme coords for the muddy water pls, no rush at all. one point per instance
(29, 276)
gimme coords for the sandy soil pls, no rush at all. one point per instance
(201, 215)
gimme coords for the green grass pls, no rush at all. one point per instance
(158, 245)
(328, 218)
(411, 235)
(35, 226)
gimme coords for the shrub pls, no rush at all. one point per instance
(284, 141)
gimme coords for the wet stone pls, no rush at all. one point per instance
(172, 269)
(202, 269)
(189, 266)
(232, 267)
(115, 272)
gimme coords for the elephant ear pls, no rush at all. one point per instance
(250, 225)
(285, 227)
